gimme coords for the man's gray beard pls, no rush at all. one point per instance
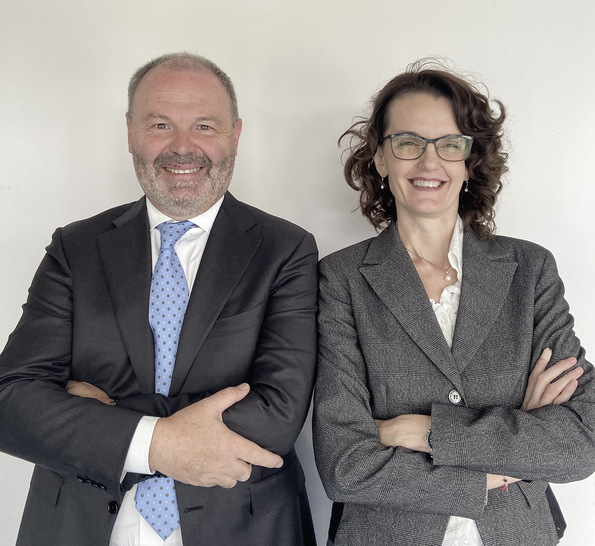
(215, 184)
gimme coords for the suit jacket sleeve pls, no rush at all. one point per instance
(39, 421)
(355, 467)
(273, 414)
(552, 443)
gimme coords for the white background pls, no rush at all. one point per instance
(302, 71)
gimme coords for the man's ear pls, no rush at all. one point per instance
(128, 128)
(237, 130)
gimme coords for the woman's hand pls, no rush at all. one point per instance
(541, 391)
(541, 387)
(86, 390)
(410, 430)
(405, 431)
(495, 481)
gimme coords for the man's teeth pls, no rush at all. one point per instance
(182, 171)
(427, 183)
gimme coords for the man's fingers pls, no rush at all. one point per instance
(227, 397)
(253, 454)
(226, 482)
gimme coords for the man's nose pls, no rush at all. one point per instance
(183, 142)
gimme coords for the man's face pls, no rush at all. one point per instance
(183, 140)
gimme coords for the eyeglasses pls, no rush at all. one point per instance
(449, 147)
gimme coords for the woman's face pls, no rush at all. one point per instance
(427, 186)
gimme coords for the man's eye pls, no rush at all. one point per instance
(204, 127)
(160, 126)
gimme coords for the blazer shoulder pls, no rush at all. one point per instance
(100, 222)
(78, 240)
(348, 258)
(520, 250)
(267, 226)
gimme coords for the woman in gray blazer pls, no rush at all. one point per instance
(437, 419)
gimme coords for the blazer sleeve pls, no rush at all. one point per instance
(354, 466)
(39, 421)
(554, 443)
(273, 413)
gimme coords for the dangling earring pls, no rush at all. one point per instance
(466, 186)
(384, 179)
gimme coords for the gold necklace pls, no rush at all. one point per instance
(447, 275)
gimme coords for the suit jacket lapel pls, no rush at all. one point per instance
(391, 274)
(228, 253)
(487, 275)
(126, 256)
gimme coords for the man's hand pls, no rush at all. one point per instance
(194, 446)
(541, 387)
(86, 390)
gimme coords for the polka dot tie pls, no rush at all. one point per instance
(156, 497)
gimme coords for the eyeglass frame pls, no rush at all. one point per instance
(433, 141)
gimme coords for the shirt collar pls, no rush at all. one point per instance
(204, 221)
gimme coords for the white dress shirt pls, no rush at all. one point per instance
(130, 528)
(460, 531)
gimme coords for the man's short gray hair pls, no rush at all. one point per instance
(183, 61)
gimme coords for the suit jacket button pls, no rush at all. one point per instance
(454, 397)
(112, 507)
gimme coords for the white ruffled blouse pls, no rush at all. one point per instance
(460, 531)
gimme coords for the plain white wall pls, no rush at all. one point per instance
(302, 71)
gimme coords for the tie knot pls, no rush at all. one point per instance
(172, 231)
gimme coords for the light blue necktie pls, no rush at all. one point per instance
(156, 497)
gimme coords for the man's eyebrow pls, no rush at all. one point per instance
(151, 117)
(163, 117)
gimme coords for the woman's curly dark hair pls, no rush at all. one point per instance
(486, 165)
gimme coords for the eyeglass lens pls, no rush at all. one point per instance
(449, 148)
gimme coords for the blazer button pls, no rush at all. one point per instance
(454, 397)
(112, 507)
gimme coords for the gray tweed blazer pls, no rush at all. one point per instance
(382, 354)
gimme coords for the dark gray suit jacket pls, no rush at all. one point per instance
(382, 354)
(251, 317)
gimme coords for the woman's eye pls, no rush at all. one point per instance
(453, 145)
(204, 127)
(408, 144)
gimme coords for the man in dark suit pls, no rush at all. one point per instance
(77, 378)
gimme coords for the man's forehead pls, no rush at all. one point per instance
(182, 86)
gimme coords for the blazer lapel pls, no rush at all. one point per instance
(126, 256)
(392, 276)
(228, 253)
(487, 275)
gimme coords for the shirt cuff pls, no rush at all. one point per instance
(137, 459)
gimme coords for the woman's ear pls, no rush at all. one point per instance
(380, 163)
